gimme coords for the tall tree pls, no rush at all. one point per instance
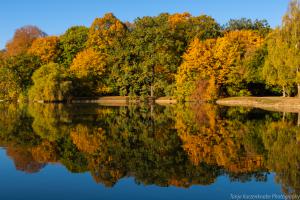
(23, 39)
(219, 63)
(50, 84)
(88, 68)
(291, 30)
(277, 71)
(105, 32)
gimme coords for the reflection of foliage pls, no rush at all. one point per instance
(45, 152)
(182, 145)
(50, 120)
(217, 141)
(23, 159)
(281, 141)
(86, 140)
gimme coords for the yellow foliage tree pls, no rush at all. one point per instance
(178, 18)
(89, 67)
(46, 48)
(105, 31)
(88, 63)
(219, 62)
(197, 65)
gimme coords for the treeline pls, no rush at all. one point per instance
(179, 55)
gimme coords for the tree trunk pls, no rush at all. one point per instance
(298, 122)
(152, 84)
(283, 91)
(298, 90)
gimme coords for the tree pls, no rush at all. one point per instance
(23, 39)
(261, 26)
(231, 51)
(291, 31)
(105, 32)
(49, 84)
(72, 42)
(197, 65)
(47, 49)
(16, 75)
(88, 67)
(218, 64)
(9, 87)
(277, 71)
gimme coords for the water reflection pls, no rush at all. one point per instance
(180, 145)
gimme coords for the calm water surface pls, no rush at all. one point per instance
(86, 151)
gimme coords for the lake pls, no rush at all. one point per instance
(203, 151)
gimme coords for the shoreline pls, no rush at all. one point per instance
(280, 104)
(123, 100)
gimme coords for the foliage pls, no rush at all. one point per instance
(220, 62)
(49, 84)
(261, 26)
(105, 32)
(179, 55)
(47, 49)
(16, 72)
(72, 42)
(23, 39)
(89, 67)
(276, 70)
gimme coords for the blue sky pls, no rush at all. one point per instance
(55, 16)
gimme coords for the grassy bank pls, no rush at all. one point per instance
(283, 104)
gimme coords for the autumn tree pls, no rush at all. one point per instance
(277, 71)
(105, 32)
(47, 49)
(88, 67)
(221, 61)
(291, 31)
(23, 39)
(197, 66)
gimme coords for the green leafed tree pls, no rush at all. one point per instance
(16, 75)
(72, 42)
(291, 31)
(277, 71)
(50, 84)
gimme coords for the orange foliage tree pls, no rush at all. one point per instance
(89, 67)
(46, 48)
(23, 39)
(221, 61)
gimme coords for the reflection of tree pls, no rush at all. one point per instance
(281, 141)
(24, 160)
(208, 138)
(87, 140)
(182, 145)
(45, 152)
(50, 120)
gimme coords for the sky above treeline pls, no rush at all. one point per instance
(56, 16)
